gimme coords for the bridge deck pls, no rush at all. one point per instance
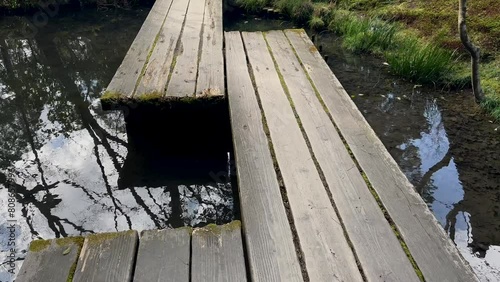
(212, 253)
(321, 198)
(316, 181)
(178, 53)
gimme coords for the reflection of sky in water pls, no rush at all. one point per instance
(445, 190)
(64, 158)
(451, 154)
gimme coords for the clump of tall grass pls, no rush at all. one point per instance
(316, 23)
(253, 5)
(422, 62)
(492, 104)
(363, 34)
(299, 10)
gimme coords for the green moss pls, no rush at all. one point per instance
(233, 225)
(172, 66)
(148, 57)
(218, 229)
(78, 241)
(111, 96)
(96, 239)
(39, 245)
(70, 240)
(150, 96)
(394, 228)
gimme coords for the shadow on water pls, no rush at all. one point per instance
(448, 149)
(77, 170)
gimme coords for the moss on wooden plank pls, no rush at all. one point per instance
(96, 239)
(39, 245)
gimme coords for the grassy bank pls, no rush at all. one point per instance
(418, 39)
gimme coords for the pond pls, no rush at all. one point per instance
(71, 167)
(74, 170)
(448, 149)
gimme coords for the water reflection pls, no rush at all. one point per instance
(444, 145)
(71, 165)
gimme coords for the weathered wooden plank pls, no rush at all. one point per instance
(320, 233)
(366, 226)
(211, 69)
(164, 255)
(128, 73)
(433, 251)
(50, 260)
(270, 249)
(159, 66)
(218, 254)
(107, 257)
(183, 81)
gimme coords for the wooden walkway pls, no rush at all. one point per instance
(177, 54)
(321, 198)
(213, 253)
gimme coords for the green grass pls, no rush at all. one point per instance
(491, 85)
(299, 10)
(419, 39)
(362, 34)
(316, 23)
(421, 62)
(492, 104)
(252, 5)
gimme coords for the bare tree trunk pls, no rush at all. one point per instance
(473, 50)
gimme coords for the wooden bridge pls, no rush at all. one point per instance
(321, 198)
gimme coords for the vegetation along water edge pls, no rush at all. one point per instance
(418, 39)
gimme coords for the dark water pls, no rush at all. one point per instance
(444, 144)
(441, 140)
(72, 169)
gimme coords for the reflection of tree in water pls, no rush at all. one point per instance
(64, 158)
(447, 177)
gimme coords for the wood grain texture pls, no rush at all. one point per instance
(217, 254)
(50, 264)
(327, 254)
(269, 242)
(378, 249)
(211, 69)
(159, 66)
(435, 254)
(183, 81)
(164, 255)
(127, 75)
(107, 257)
